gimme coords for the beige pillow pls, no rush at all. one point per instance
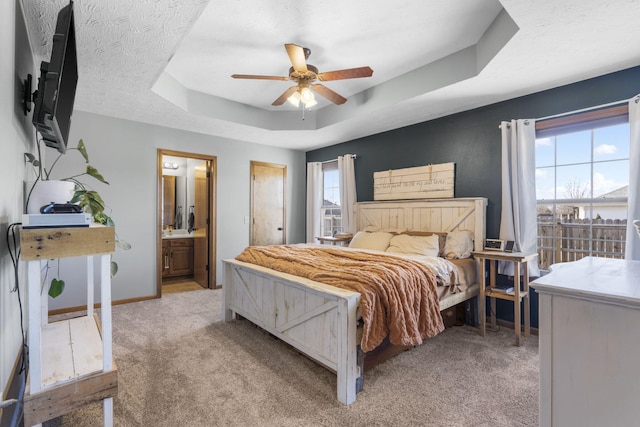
(415, 245)
(378, 241)
(442, 238)
(459, 244)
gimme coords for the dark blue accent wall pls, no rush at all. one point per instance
(471, 140)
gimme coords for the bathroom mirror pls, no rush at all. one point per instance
(176, 193)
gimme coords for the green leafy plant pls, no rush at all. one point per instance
(84, 196)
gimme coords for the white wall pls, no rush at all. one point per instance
(16, 137)
(125, 153)
(605, 211)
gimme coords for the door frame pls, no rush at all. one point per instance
(212, 193)
(255, 163)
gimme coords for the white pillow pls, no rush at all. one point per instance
(415, 245)
(378, 241)
(459, 244)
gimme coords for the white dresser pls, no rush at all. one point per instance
(589, 326)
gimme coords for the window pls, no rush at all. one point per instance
(582, 180)
(331, 213)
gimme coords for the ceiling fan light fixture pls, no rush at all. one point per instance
(294, 99)
(311, 102)
(306, 96)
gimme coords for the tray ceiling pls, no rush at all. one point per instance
(169, 62)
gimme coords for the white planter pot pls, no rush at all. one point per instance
(46, 192)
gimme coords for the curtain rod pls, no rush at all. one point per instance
(570, 113)
(335, 160)
(597, 107)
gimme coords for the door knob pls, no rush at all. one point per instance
(279, 228)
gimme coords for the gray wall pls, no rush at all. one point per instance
(125, 152)
(471, 140)
(17, 137)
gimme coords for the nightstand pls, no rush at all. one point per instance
(520, 267)
(333, 240)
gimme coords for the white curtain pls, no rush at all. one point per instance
(632, 250)
(348, 197)
(519, 215)
(314, 200)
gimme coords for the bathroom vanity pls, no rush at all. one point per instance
(177, 255)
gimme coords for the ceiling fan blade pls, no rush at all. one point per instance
(351, 73)
(251, 76)
(329, 94)
(297, 57)
(286, 94)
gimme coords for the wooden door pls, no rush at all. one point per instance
(268, 183)
(201, 224)
(166, 258)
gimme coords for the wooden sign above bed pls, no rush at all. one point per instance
(423, 182)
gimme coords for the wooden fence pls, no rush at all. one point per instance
(573, 239)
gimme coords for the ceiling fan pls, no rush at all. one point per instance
(304, 75)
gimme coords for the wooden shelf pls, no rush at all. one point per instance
(64, 398)
(53, 243)
(71, 349)
(503, 295)
(70, 361)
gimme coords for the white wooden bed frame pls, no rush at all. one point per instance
(321, 320)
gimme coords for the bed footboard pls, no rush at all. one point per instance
(317, 319)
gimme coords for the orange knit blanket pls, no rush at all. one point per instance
(398, 296)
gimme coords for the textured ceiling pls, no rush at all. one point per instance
(168, 62)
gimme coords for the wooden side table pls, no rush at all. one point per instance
(520, 267)
(70, 361)
(333, 240)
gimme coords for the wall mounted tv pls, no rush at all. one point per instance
(57, 84)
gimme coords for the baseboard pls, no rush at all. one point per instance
(84, 307)
(13, 390)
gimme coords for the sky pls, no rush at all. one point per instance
(573, 153)
(331, 186)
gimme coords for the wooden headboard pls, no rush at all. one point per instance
(426, 215)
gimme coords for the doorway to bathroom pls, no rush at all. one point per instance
(186, 222)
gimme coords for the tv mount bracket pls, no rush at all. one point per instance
(27, 95)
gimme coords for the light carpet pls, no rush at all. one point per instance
(179, 365)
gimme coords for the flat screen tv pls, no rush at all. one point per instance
(57, 84)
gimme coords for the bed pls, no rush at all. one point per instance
(323, 321)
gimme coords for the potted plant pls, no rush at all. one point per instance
(81, 194)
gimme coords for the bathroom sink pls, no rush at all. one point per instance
(176, 234)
